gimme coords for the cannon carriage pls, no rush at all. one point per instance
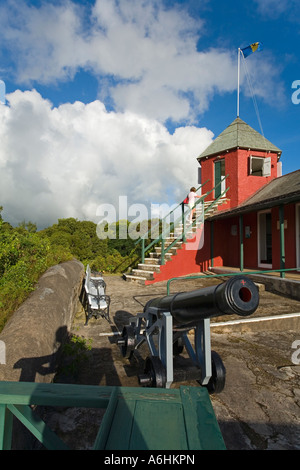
(165, 326)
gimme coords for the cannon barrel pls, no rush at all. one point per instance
(239, 295)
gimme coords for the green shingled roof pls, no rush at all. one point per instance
(239, 134)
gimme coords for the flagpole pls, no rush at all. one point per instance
(238, 87)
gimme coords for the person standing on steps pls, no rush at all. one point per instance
(192, 196)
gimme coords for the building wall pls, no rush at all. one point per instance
(245, 184)
(226, 242)
(226, 248)
(192, 258)
(241, 184)
(195, 257)
(250, 242)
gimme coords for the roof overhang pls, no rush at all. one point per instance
(224, 152)
(258, 206)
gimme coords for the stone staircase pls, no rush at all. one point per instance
(145, 271)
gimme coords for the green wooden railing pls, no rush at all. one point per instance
(212, 276)
(146, 235)
(180, 220)
(158, 240)
(135, 418)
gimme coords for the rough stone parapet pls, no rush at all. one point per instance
(34, 334)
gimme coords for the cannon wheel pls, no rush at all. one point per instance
(217, 381)
(155, 372)
(128, 341)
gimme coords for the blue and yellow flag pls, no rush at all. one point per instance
(256, 46)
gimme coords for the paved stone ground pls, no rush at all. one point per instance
(260, 405)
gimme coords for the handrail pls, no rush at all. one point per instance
(181, 218)
(16, 398)
(173, 210)
(202, 198)
(194, 223)
(201, 276)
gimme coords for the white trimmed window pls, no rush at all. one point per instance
(260, 166)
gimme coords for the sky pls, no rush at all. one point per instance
(110, 100)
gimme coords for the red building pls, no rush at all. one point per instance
(249, 160)
(258, 225)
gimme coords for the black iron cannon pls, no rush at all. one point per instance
(238, 296)
(166, 322)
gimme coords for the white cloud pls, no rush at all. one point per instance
(271, 90)
(272, 7)
(66, 161)
(144, 55)
(150, 51)
(276, 8)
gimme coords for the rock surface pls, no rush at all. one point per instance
(35, 333)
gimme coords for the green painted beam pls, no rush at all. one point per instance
(135, 418)
(211, 276)
(6, 422)
(282, 247)
(104, 429)
(37, 427)
(28, 393)
(241, 224)
(200, 420)
(212, 238)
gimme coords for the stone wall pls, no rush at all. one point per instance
(282, 286)
(33, 336)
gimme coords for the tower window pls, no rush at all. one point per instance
(220, 185)
(260, 166)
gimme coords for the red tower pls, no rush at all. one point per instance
(247, 158)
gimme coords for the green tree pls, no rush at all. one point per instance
(29, 226)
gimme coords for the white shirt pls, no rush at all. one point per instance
(192, 197)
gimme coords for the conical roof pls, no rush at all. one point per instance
(239, 135)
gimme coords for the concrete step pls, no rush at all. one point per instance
(152, 261)
(143, 274)
(214, 207)
(136, 279)
(188, 234)
(156, 256)
(146, 270)
(168, 242)
(172, 251)
(149, 267)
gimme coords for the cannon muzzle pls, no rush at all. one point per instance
(239, 295)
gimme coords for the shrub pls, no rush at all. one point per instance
(24, 257)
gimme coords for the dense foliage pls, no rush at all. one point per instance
(26, 253)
